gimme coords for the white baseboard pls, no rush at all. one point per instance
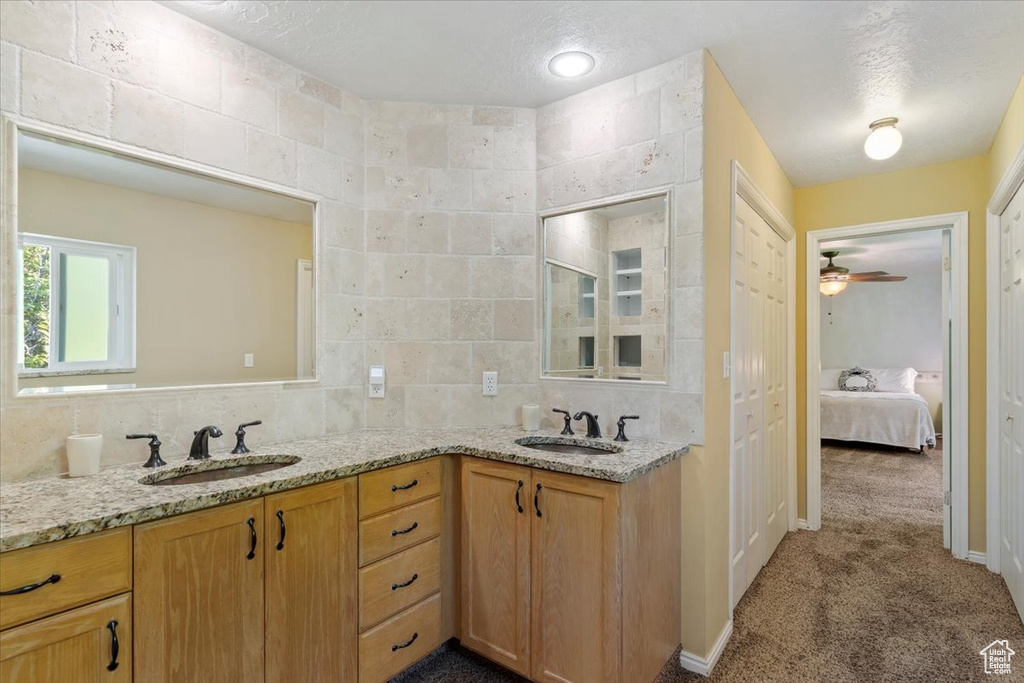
(802, 524)
(976, 557)
(704, 665)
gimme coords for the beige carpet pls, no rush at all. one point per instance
(872, 596)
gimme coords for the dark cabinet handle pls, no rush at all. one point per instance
(407, 486)
(536, 502)
(518, 489)
(395, 532)
(396, 586)
(54, 578)
(115, 647)
(280, 524)
(406, 643)
(252, 537)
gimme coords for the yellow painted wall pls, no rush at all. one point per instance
(1009, 138)
(728, 134)
(940, 188)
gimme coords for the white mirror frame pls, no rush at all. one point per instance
(670, 243)
(12, 126)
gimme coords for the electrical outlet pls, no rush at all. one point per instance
(726, 365)
(250, 360)
(491, 383)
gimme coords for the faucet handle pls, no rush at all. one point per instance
(621, 436)
(154, 449)
(240, 446)
(567, 429)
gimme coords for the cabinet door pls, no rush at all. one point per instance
(311, 581)
(495, 570)
(575, 578)
(90, 644)
(199, 596)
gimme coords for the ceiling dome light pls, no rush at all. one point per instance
(571, 64)
(884, 140)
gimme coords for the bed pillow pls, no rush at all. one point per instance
(830, 378)
(895, 380)
(856, 379)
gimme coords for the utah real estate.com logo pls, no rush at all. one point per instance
(997, 657)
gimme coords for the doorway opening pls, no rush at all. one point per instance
(862, 383)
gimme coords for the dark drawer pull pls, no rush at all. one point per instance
(280, 524)
(396, 532)
(31, 587)
(518, 489)
(396, 586)
(252, 538)
(115, 647)
(406, 643)
(536, 502)
(406, 487)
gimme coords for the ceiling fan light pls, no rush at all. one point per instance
(832, 287)
(885, 140)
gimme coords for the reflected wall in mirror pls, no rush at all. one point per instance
(606, 292)
(134, 274)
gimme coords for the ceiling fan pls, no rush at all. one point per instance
(833, 278)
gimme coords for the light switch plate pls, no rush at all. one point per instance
(491, 383)
(250, 360)
(726, 365)
(376, 381)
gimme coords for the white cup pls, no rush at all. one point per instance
(84, 452)
(531, 417)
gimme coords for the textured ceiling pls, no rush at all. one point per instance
(896, 253)
(811, 75)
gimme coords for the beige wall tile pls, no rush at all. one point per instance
(514, 319)
(148, 120)
(300, 118)
(214, 139)
(270, 156)
(472, 319)
(58, 92)
(248, 97)
(116, 46)
(188, 74)
(10, 77)
(46, 27)
(427, 145)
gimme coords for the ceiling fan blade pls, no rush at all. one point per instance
(871, 272)
(876, 278)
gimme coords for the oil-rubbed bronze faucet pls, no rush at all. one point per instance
(201, 444)
(593, 428)
(567, 429)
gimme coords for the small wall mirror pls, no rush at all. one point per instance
(130, 274)
(606, 292)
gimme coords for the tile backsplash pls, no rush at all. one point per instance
(428, 245)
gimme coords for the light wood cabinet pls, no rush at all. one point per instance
(91, 644)
(575, 574)
(495, 566)
(311, 601)
(581, 586)
(199, 596)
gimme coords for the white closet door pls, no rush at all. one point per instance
(776, 516)
(749, 233)
(1011, 398)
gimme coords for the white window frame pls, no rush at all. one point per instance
(121, 325)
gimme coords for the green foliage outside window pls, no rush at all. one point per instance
(36, 305)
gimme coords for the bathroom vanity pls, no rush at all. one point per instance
(356, 561)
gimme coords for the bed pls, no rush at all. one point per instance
(892, 415)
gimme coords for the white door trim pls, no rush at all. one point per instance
(958, 362)
(743, 186)
(1007, 187)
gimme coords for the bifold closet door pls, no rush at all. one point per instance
(776, 343)
(749, 239)
(1011, 398)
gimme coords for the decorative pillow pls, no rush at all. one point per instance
(857, 379)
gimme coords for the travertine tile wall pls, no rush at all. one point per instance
(139, 73)
(451, 262)
(428, 246)
(639, 132)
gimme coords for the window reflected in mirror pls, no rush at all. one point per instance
(606, 292)
(134, 274)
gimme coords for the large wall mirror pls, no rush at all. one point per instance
(606, 292)
(131, 274)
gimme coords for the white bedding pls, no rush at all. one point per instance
(894, 419)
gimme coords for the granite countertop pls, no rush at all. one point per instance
(48, 509)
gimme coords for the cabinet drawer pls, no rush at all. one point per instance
(391, 585)
(73, 646)
(390, 532)
(90, 567)
(393, 487)
(400, 642)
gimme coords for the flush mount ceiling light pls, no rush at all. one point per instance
(571, 64)
(884, 140)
